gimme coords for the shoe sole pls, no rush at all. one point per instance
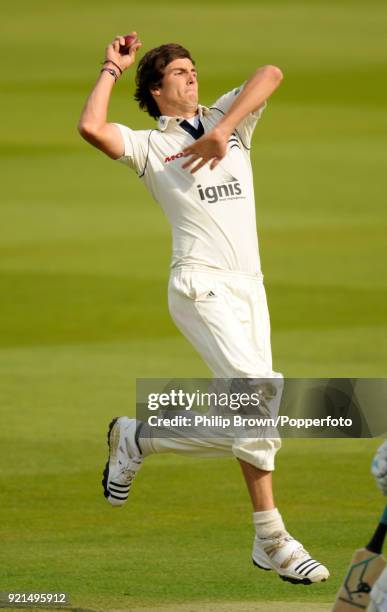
(105, 474)
(305, 581)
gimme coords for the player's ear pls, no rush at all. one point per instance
(155, 90)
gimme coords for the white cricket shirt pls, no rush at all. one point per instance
(211, 212)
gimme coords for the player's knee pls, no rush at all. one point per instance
(259, 452)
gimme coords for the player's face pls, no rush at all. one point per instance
(179, 88)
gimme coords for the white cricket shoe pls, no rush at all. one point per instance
(124, 460)
(283, 554)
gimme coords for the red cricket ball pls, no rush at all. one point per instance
(129, 40)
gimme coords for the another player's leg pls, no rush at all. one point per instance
(378, 601)
(378, 594)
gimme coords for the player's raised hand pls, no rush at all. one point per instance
(211, 147)
(123, 60)
(379, 467)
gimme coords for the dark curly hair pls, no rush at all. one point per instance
(150, 72)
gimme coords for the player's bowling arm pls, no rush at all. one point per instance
(257, 89)
(93, 125)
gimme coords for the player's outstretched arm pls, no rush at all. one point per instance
(93, 125)
(212, 147)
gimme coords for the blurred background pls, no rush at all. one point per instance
(83, 311)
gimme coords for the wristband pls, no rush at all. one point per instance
(114, 64)
(111, 71)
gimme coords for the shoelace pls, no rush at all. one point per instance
(281, 536)
(282, 539)
(298, 553)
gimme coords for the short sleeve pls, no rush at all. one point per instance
(135, 148)
(246, 127)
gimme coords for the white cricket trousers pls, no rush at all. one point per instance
(225, 317)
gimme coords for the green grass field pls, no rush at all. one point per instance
(84, 266)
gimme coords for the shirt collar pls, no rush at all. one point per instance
(164, 121)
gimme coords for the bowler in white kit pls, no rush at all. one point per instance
(196, 164)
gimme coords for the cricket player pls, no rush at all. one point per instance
(379, 590)
(196, 164)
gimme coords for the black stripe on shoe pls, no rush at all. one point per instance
(119, 491)
(116, 496)
(296, 569)
(121, 486)
(306, 567)
(312, 568)
(119, 495)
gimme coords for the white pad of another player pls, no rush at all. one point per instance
(379, 594)
(379, 467)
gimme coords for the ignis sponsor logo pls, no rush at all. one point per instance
(172, 157)
(220, 193)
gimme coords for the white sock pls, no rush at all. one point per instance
(268, 522)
